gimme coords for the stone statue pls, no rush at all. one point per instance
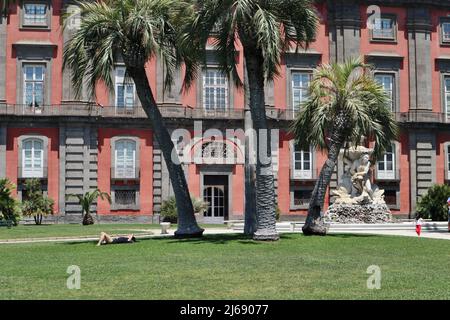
(357, 199)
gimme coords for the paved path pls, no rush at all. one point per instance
(445, 235)
(157, 233)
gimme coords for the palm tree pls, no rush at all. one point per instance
(9, 206)
(36, 204)
(138, 30)
(86, 200)
(345, 103)
(266, 29)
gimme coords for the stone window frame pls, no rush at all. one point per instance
(397, 173)
(396, 188)
(137, 164)
(302, 62)
(394, 87)
(392, 16)
(49, 13)
(212, 62)
(446, 163)
(21, 139)
(291, 162)
(112, 94)
(443, 20)
(396, 83)
(20, 79)
(289, 77)
(132, 187)
(444, 74)
(293, 188)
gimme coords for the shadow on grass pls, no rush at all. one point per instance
(352, 235)
(226, 238)
(238, 238)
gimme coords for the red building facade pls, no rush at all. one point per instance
(75, 144)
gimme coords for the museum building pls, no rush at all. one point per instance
(75, 144)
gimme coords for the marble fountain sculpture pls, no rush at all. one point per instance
(357, 199)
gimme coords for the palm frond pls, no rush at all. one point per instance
(347, 88)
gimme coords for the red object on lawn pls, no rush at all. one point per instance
(418, 229)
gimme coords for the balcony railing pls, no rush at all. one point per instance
(30, 173)
(125, 174)
(305, 175)
(389, 175)
(178, 111)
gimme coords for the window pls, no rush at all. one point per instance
(387, 82)
(386, 165)
(125, 159)
(32, 158)
(302, 162)
(125, 197)
(384, 28)
(445, 29)
(448, 162)
(215, 90)
(390, 197)
(301, 197)
(34, 76)
(447, 95)
(300, 86)
(125, 90)
(35, 14)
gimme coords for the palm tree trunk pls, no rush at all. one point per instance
(187, 225)
(265, 188)
(314, 224)
(250, 222)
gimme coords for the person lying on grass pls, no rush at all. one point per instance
(107, 239)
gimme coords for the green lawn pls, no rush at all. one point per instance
(231, 267)
(68, 230)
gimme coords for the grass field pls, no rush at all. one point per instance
(69, 230)
(230, 267)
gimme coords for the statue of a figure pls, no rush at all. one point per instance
(359, 171)
(356, 186)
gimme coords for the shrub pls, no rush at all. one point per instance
(36, 204)
(169, 208)
(9, 207)
(433, 205)
(200, 206)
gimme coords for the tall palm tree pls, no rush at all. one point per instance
(86, 200)
(266, 29)
(345, 103)
(138, 30)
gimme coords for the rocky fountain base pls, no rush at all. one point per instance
(358, 213)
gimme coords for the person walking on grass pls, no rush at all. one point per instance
(107, 239)
(419, 222)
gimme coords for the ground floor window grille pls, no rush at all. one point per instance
(302, 197)
(125, 197)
